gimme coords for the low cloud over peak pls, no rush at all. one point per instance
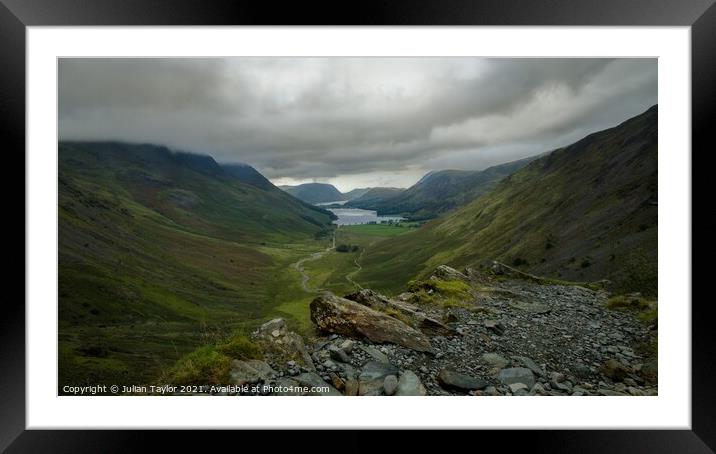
(352, 121)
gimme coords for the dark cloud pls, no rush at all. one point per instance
(352, 120)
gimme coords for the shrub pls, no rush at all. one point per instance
(627, 302)
(240, 347)
(204, 365)
(445, 293)
(519, 261)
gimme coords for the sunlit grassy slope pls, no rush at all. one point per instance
(160, 250)
(584, 212)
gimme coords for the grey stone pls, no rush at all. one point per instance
(347, 346)
(455, 381)
(375, 353)
(514, 387)
(390, 385)
(538, 389)
(494, 326)
(528, 363)
(495, 360)
(277, 324)
(556, 377)
(249, 371)
(410, 385)
(516, 375)
(338, 354)
(371, 378)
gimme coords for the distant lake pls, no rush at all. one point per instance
(355, 216)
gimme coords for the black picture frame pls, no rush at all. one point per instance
(700, 15)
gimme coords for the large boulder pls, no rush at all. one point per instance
(401, 310)
(370, 298)
(341, 316)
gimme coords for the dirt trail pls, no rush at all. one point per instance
(315, 256)
(349, 276)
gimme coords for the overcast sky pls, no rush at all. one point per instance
(353, 122)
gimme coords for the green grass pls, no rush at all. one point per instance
(628, 302)
(582, 204)
(156, 259)
(645, 310)
(442, 293)
(378, 230)
(240, 347)
(205, 366)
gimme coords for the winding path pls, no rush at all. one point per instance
(315, 256)
(349, 277)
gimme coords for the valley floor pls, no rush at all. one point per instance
(107, 352)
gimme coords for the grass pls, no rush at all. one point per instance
(240, 347)
(157, 259)
(628, 302)
(582, 204)
(376, 230)
(444, 293)
(645, 310)
(205, 366)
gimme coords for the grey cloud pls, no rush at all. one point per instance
(328, 118)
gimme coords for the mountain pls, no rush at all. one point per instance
(314, 192)
(355, 193)
(248, 174)
(584, 212)
(158, 248)
(373, 197)
(441, 191)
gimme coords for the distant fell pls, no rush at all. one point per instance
(440, 191)
(584, 212)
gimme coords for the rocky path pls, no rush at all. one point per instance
(511, 337)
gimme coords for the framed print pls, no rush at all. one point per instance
(410, 218)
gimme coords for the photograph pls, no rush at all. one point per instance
(357, 226)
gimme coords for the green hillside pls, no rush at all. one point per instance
(314, 192)
(374, 197)
(583, 212)
(158, 250)
(441, 191)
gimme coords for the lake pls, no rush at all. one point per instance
(355, 216)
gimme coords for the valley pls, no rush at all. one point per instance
(169, 262)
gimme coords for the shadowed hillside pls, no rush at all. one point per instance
(314, 192)
(157, 247)
(583, 212)
(439, 192)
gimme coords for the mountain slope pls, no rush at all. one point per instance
(355, 193)
(158, 248)
(314, 192)
(442, 191)
(374, 197)
(584, 212)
